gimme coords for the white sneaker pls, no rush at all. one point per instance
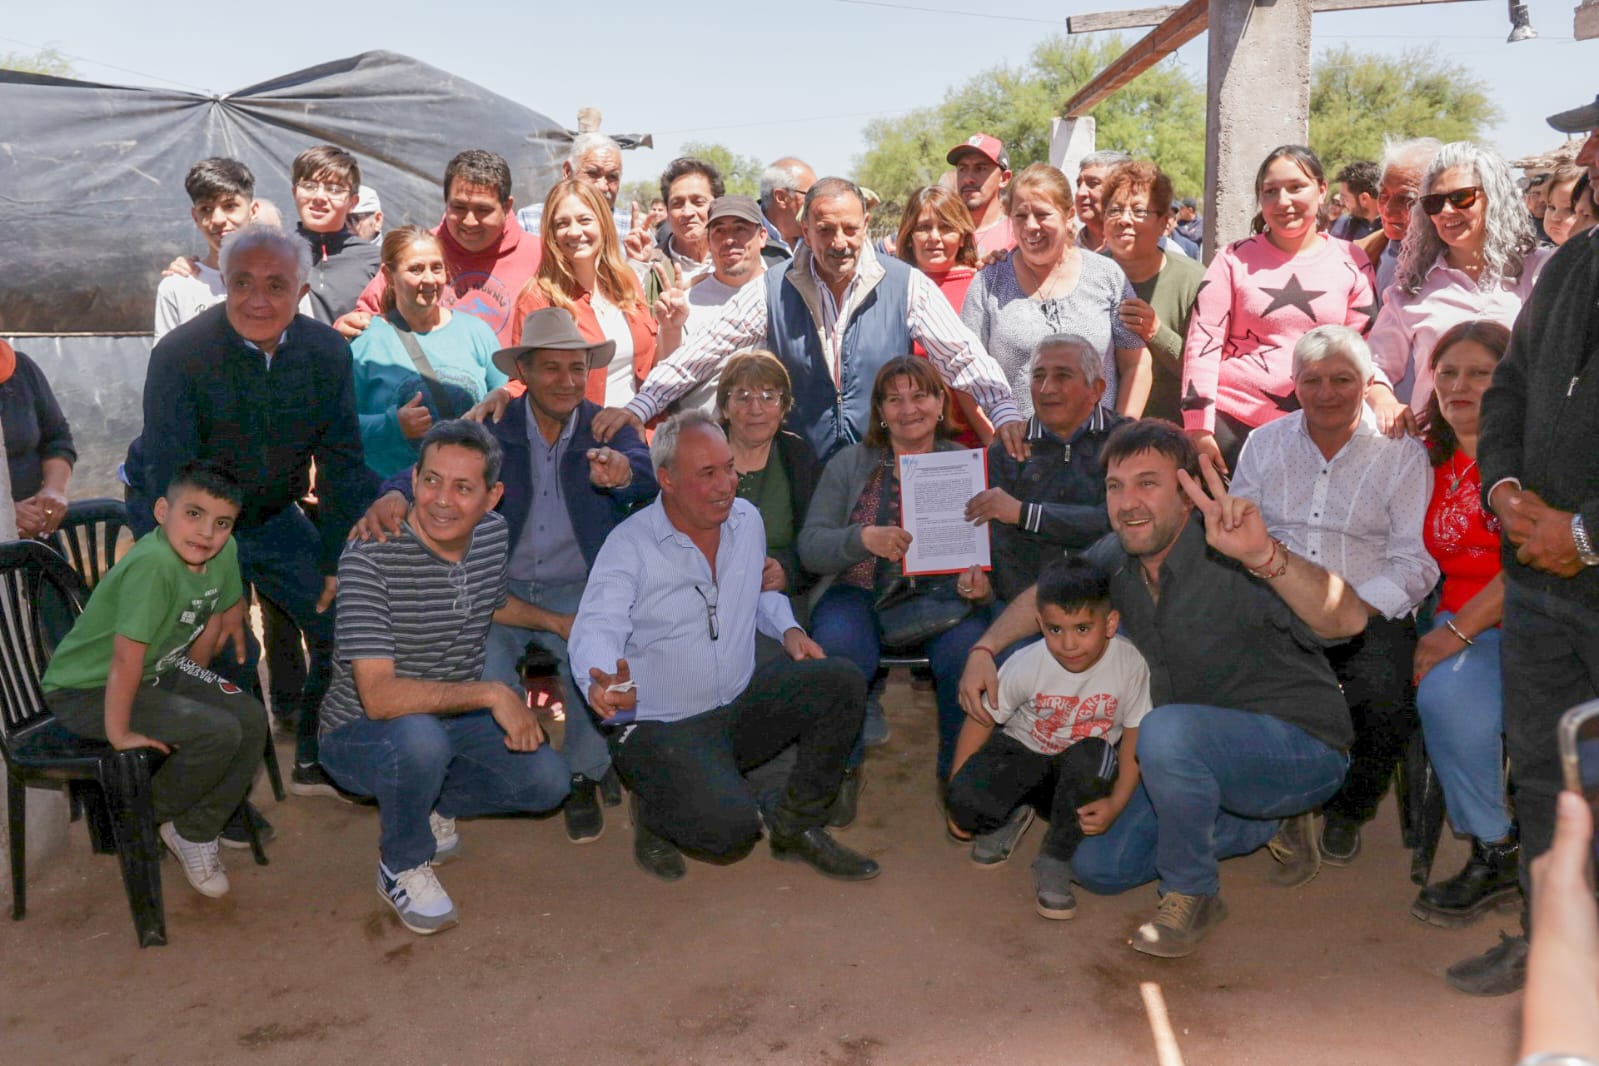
(446, 841)
(202, 863)
(418, 898)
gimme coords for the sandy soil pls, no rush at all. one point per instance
(569, 954)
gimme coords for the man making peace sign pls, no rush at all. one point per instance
(1248, 725)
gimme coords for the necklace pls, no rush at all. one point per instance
(1459, 475)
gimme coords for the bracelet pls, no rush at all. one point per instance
(983, 647)
(1449, 624)
(1266, 573)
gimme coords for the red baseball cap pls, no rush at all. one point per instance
(991, 148)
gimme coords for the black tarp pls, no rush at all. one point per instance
(91, 176)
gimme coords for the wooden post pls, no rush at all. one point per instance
(1586, 26)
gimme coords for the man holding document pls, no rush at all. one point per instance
(901, 567)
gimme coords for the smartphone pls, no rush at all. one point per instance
(1579, 754)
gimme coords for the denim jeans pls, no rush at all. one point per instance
(1550, 663)
(583, 747)
(845, 625)
(282, 559)
(456, 764)
(1215, 781)
(1461, 703)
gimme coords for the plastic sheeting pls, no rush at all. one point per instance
(91, 176)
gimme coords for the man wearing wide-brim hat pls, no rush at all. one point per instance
(1538, 454)
(564, 493)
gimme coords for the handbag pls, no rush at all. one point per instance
(444, 399)
(909, 615)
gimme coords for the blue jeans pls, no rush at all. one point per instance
(585, 750)
(282, 558)
(844, 623)
(1215, 782)
(1461, 703)
(456, 764)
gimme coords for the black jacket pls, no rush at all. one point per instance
(341, 265)
(1540, 420)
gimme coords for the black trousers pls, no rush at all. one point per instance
(1375, 670)
(689, 775)
(1004, 772)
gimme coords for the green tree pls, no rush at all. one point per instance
(1355, 100)
(1161, 116)
(639, 192)
(741, 174)
(47, 60)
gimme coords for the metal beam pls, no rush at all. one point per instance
(1186, 23)
(1138, 18)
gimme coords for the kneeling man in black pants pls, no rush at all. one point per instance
(672, 606)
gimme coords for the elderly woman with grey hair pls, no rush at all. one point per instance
(1470, 252)
(1336, 491)
(1054, 500)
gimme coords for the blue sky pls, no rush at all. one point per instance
(765, 79)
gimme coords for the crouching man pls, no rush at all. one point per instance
(672, 606)
(407, 719)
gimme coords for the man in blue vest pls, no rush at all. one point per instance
(564, 493)
(834, 317)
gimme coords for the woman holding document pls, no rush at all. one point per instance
(855, 540)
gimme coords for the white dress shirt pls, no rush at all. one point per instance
(1358, 514)
(688, 638)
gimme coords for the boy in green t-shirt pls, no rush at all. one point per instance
(132, 671)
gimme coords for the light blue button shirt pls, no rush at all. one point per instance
(689, 640)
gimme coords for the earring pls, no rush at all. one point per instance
(941, 416)
(882, 425)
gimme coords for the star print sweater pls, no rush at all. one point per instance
(1255, 303)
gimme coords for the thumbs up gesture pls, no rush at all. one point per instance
(415, 418)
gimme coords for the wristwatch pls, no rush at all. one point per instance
(1579, 537)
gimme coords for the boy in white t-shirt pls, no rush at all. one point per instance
(1064, 702)
(222, 192)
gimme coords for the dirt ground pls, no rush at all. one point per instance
(572, 955)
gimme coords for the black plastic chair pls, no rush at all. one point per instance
(111, 788)
(88, 536)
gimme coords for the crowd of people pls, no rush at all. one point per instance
(653, 474)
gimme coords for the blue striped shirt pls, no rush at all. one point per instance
(650, 600)
(399, 601)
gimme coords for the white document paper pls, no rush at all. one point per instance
(934, 489)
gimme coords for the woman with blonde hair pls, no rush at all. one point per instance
(585, 272)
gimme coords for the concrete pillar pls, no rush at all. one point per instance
(1259, 98)
(1070, 139)
(47, 810)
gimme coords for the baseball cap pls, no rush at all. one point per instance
(991, 148)
(742, 208)
(366, 202)
(1578, 119)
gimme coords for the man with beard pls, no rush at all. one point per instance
(982, 170)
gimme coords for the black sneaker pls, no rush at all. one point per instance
(611, 787)
(309, 779)
(236, 835)
(1340, 841)
(1500, 970)
(585, 821)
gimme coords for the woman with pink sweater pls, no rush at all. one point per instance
(1259, 296)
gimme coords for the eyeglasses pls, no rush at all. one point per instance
(463, 595)
(710, 607)
(1460, 199)
(752, 397)
(331, 189)
(1137, 214)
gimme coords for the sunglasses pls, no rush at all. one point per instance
(1460, 199)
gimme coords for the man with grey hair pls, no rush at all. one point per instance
(1054, 500)
(596, 159)
(1403, 165)
(664, 643)
(1091, 174)
(833, 318)
(783, 188)
(266, 393)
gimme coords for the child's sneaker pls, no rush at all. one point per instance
(446, 841)
(418, 898)
(1052, 888)
(991, 849)
(202, 864)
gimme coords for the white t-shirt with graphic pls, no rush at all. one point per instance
(1048, 708)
